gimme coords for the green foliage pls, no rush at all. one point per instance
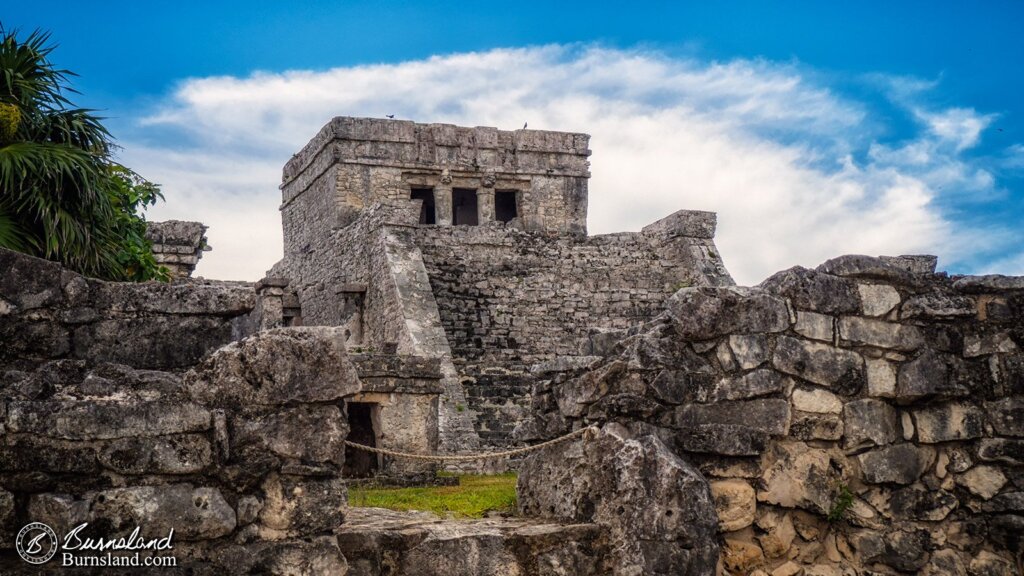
(840, 504)
(62, 197)
(472, 498)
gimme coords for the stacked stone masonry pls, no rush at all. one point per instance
(48, 313)
(177, 245)
(864, 417)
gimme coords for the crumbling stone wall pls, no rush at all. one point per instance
(860, 418)
(241, 456)
(178, 245)
(48, 313)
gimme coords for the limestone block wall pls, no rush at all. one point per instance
(509, 299)
(864, 417)
(48, 313)
(355, 163)
(240, 456)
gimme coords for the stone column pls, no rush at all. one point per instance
(443, 200)
(485, 200)
(270, 302)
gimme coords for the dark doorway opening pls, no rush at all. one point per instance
(427, 210)
(505, 205)
(359, 463)
(464, 207)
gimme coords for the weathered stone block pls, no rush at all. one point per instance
(811, 426)
(945, 563)
(938, 306)
(899, 464)
(1005, 502)
(770, 416)
(927, 375)
(657, 508)
(880, 334)
(779, 532)
(194, 513)
(947, 422)
(287, 433)
(705, 313)
(276, 367)
(725, 439)
(176, 454)
(797, 476)
(740, 556)
(835, 368)
(734, 503)
(1001, 450)
(878, 299)
(982, 481)
(1007, 416)
(814, 326)
(988, 564)
(35, 454)
(749, 350)
(750, 385)
(100, 420)
(860, 266)
(869, 421)
(901, 549)
(29, 282)
(983, 344)
(159, 342)
(922, 505)
(881, 378)
(814, 291)
(297, 505)
(816, 401)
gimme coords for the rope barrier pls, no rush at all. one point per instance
(469, 457)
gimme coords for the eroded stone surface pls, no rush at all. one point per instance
(658, 510)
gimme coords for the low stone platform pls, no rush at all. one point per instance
(378, 542)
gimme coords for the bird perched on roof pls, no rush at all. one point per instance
(524, 125)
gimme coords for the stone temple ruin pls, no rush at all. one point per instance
(439, 294)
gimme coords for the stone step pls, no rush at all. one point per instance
(378, 542)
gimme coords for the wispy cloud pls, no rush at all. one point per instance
(796, 171)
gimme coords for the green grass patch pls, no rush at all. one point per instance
(472, 498)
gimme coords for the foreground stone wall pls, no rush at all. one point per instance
(241, 456)
(48, 313)
(861, 418)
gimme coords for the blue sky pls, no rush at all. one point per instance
(813, 128)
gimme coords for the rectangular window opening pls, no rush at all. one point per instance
(505, 205)
(464, 208)
(428, 213)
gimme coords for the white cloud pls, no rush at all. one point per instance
(961, 127)
(759, 142)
